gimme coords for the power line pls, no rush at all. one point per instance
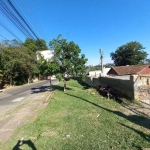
(22, 18)
(11, 17)
(4, 26)
(35, 18)
(9, 10)
(3, 37)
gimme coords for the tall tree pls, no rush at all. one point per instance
(41, 44)
(66, 55)
(46, 68)
(30, 44)
(131, 53)
(16, 61)
(35, 45)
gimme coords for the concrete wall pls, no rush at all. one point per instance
(137, 87)
(125, 87)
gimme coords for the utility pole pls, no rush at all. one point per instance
(101, 59)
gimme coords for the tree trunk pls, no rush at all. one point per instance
(30, 78)
(50, 80)
(11, 80)
(64, 85)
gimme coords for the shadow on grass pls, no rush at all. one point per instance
(139, 120)
(145, 136)
(60, 88)
(136, 109)
(85, 86)
(145, 103)
(22, 142)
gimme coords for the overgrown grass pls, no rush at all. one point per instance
(80, 119)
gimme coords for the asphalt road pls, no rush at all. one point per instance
(15, 96)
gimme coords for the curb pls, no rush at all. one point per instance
(51, 94)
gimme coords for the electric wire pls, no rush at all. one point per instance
(22, 18)
(7, 12)
(4, 26)
(18, 19)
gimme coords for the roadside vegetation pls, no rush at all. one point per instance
(81, 119)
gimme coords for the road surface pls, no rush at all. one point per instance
(15, 96)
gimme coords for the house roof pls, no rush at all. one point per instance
(127, 70)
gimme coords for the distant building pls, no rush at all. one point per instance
(98, 73)
(47, 54)
(129, 70)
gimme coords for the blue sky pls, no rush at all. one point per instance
(92, 24)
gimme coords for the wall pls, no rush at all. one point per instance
(125, 87)
(142, 88)
(137, 87)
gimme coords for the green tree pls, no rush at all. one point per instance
(35, 45)
(131, 53)
(1, 73)
(66, 55)
(30, 44)
(46, 68)
(41, 45)
(17, 61)
(79, 68)
(108, 65)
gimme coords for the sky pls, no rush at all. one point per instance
(92, 24)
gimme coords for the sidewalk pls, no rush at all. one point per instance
(23, 114)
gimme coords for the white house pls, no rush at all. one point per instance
(47, 54)
(98, 73)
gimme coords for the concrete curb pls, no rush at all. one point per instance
(51, 94)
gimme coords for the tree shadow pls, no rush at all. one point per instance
(145, 103)
(85, 86)
(145, 136)
(40, 89)
(139, 120)
(136, 109)
(60, 88)
(22, 142)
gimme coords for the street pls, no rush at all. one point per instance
(15, 96)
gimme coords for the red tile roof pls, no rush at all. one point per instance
(127, 70)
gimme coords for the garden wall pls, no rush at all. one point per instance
(136, 87)
(125, 87)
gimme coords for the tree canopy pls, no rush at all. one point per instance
(16, 61)
(131, 53)
(67, 56)
(35, 45)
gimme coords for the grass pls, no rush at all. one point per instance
(80, 119)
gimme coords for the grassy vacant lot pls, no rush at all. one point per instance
(81, 119)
